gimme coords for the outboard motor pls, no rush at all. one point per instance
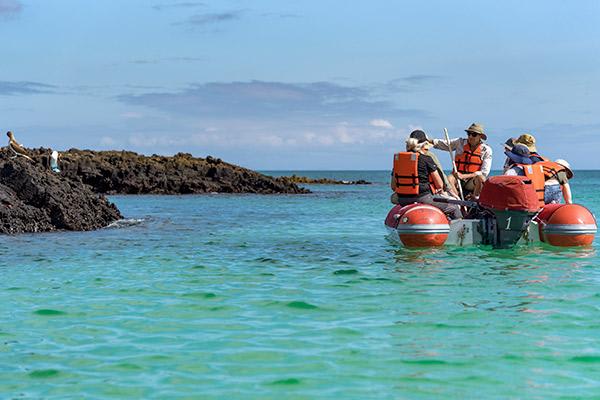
(566, 225)
(419, 225)
(511, 203)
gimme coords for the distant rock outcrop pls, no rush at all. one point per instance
(33, 199)
(323, 181)
(125, 172)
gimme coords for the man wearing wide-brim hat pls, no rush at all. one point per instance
(473, 159)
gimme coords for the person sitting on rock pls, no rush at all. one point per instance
(16, 147)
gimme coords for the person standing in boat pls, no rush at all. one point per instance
(556, 173)
(473, 159)
(415, 178)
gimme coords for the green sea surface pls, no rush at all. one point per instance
(293, 297)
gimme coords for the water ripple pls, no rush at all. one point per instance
(252, 297)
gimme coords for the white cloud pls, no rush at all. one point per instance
(342, 134)
(381, 123)
(143, 140)
(325, 140)
(107, 141)
(271, 140)
(310, 137)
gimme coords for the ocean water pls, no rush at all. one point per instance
(293, 297)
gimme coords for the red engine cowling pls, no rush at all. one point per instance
(419, 225)
(567, 225)
(513, 202)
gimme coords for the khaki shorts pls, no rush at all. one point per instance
(468, 185)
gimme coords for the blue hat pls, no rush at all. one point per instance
(519, 154)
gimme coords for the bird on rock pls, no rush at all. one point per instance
(16, 147)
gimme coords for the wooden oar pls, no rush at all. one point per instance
(453, 164)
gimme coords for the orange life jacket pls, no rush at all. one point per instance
(551, 169)
(535, 172)
(406, 174)
(470, 160)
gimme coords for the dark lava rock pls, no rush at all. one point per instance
(34, 199)
(323, 181)
(125, 172)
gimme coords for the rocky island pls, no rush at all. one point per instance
(126, 172)
(33, 199)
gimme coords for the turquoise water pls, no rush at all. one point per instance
(299, 297)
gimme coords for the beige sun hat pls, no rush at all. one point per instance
(477, 128)
(528, 140)
(565, 164)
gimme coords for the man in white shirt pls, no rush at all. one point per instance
(473, 159)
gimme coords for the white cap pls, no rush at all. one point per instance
(565, 164)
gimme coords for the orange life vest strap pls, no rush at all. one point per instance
(535, 154)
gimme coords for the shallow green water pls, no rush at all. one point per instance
(254, 297)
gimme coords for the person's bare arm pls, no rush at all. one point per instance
(566, 191)
(437, 180)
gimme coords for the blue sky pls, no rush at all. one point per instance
(299, 85)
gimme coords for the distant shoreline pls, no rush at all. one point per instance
(323, 181)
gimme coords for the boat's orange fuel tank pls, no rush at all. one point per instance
(566, 225)
(419, 225)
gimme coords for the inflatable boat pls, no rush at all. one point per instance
(507, 214)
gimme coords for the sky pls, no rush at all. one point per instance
(281, 85)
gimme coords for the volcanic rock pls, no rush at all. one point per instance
(33, 199)
(125, 172)
(323, 181)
